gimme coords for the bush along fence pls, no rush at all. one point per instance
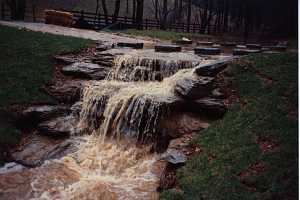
(101, 21)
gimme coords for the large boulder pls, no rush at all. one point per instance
(86, 71)
(212, 69)
(194, 87)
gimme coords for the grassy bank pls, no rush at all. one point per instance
(252, 153)
(25, 65)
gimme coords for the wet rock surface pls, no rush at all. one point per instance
(67, 91)
(86, 71)
(35, 114)
(205, 43)
(58, 127)
(207, 51)
(36, 149)
(254, 46)
(194, 87)
(212, 68)
(167, 48)
(174, 157)
(242, 52)
(131, 45)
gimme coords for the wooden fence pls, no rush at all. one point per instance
(101, 21)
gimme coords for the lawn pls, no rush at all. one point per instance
(252, 153)
(25, 65)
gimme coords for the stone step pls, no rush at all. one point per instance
(131, 45)
(207, 51)
(167, 48)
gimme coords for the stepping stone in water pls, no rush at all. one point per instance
(253, 46)
(167, 48)
(207, 51)
(184, 41)
(229, 44)
(204, 43)
(242, 52)
(241, 46)
(131, 45)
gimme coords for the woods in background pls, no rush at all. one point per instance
(246, 17)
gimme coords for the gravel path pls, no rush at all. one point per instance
(60, 30)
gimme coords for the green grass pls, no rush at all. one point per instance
(230, 145)
(25, 65)
(163, 35)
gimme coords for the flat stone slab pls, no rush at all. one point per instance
(36, 149)
(35, 114)
(205, 43)
(240, 46)
(194, 87)
(66, 92)
(184, 41)
(242, 52)
(254, 46)
(58, 127)
(167, 48)
(207, 51)
(211, 69)
(86, 71)
(229, 44)
(131, 45)
(280, 48)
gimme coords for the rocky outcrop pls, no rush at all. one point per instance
(86, 71)
(35, 114)
(194, 87)
(59, 127)
(66, 92)
(37, 149)
(211, 69)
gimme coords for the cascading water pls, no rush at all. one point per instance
(147, 65)
(124, 123)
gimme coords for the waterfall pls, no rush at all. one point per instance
(147, 65)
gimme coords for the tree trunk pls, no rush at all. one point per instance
(17, 9)
(134, 11)
(180, 11)
(165, 15)
(117, 10)
(96, 12)
(139, 13)
(105, 11)
(189, 14)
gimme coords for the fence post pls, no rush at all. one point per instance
(125, 21)
(146, 24)
(2, 10)
(33, 12)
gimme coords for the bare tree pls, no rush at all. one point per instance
(104, 7)
(117, 10)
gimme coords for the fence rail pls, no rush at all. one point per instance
(100, 21)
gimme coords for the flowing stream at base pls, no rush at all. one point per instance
(114, 161)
